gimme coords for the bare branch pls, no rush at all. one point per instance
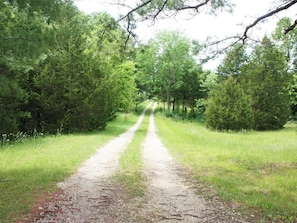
(291, 27)
(130, 33)
(134, 10)
(269, 14)
(221, 51)
(156, 10)
(195, 7)
(161, 9)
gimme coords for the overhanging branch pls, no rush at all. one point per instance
(291, 27)
(265, 16)
(134, 10)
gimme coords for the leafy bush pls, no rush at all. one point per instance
(229, 107)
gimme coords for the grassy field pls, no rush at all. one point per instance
(254, 169)
(33, 167)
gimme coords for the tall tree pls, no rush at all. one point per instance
(61, 69)
(146, 69)
(25, 37)
(229, 107)
(165, 62)
(81, 83)
(266, 79)
(190, 88)
(233, 62)
(12, 97)
(172, 56)
(288, 43)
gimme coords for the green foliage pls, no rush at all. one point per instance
(124, 81)
(264, 81)
(173, 52)
(233, 62)
(190, 87)
(229, 107)
(288, 44)
(167, 70)
(24, 36)
(146, 80)
(267, 80)
(209, 82)
(12, 97)
(61, 69)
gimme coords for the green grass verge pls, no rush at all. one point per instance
(255, 169)
(130, 173)
(33, 167)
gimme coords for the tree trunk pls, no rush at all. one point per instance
(184, 106)
(168, 96)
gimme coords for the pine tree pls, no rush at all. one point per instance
(229, 107)
(266, 80)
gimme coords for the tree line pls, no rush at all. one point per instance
(63, 70)
(253, 88)
(60, 69)
(257, 90)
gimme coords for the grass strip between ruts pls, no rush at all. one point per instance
(130, 173)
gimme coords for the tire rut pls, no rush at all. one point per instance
(86, 194)
(89, 196)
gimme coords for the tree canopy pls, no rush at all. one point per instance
(168, 68)
(259, 98)
(59, 71)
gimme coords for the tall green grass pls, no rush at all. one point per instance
(130, 171)
(33, 167)
(255, 169)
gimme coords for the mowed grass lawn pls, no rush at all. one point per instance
(32, 168)
(255, 169)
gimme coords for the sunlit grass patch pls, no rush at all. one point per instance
(256, 169)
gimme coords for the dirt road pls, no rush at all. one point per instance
(89, 196)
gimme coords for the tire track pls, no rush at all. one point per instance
(89, 196)
(88, 192)
(169, 198)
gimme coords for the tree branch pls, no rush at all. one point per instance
(195, 7)
(161, 9)
(291, 27)
(134, 10)
(269, 14)
(158, 9)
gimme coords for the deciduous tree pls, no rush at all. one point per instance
(166, 63)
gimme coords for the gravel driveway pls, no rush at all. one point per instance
(89, 196)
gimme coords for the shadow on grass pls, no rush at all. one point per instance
(20, 188)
